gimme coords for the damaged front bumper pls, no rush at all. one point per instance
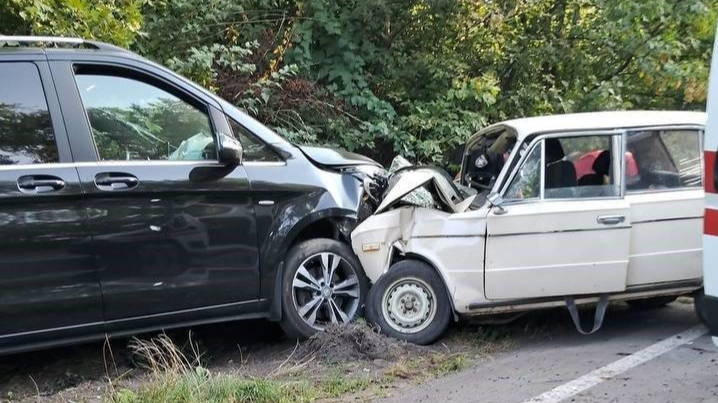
(422, 213)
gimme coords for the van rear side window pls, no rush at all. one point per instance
(26, 135)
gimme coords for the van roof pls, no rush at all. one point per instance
(599, 121)
(57, 41)
(59, 45)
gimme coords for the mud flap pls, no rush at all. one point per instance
(601, 307)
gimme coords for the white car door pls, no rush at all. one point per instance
(664, 187)
(563, 227)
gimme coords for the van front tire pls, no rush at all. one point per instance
(410, 303)
(323, 284)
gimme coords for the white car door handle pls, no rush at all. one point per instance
(610, 219)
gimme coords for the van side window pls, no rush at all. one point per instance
(254, 149)
(26, 134)
(134, 120)
(663, 159)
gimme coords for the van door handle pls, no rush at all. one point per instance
(610, 219)
(111, 181)
(34, 184)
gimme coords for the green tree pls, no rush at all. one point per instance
(415, 77)
(114, 21)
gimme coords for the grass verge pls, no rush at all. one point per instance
(209, 388)
(172, 376)
(201, 386)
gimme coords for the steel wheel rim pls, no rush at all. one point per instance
(325, 290)
(409, 305)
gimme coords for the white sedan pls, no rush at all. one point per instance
(566, 209)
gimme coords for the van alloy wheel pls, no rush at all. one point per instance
(325, 290)
(409, 305)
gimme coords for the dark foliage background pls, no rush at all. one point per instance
(414, 77)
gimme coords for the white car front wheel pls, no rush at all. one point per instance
(410, 303)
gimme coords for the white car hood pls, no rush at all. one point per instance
(411, 179)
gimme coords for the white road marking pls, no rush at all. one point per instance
(609, 371)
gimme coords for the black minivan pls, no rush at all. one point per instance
(133, 200)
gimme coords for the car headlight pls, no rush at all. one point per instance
(373, 179)
(363, 170)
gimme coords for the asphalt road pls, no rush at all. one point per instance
(653, 356)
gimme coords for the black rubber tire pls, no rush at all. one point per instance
(699, 305)
(651, 303)
(291, 323)
(424, 272)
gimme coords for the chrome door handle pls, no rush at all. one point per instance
(109, 181)
(611, 219)
(40, 184)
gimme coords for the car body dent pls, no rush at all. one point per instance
(413, 178)
(438, 237)
(306, 195)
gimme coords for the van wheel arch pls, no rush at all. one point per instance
(346, 273)
(325, 224)
(336, 227)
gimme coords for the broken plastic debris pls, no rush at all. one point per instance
(419, 197)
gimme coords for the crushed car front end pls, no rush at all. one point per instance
(424, 215)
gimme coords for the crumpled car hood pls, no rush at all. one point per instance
(335, 157)
(408, 180)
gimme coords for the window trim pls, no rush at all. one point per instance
(618, 136)
(51, 165)
(701, 139)
(264, 163)
(519, 166)
(146, 77)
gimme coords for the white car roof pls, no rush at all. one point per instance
(600, 121)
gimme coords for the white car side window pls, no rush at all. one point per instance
(574, 167)
(667, 159)
(579, 167)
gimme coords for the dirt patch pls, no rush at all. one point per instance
(352, 342)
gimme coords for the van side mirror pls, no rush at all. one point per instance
(230, 150)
